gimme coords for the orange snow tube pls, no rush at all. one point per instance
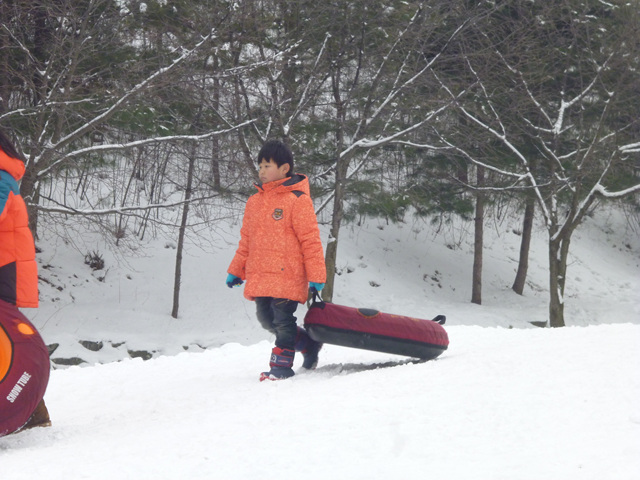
(24, 369)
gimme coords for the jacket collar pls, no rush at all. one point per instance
(287, 182)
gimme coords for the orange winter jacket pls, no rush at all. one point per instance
(18, 268)
(280, 250)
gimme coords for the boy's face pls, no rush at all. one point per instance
(269, 171)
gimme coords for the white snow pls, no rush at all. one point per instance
(506, 401)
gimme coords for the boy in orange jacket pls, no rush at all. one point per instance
(280, 257)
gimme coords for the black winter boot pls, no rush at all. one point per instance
(309, 349)
(281, 363)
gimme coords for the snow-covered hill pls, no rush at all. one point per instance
(408, 269)
(506, 401)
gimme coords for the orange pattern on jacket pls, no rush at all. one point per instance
(280, 250)
(18, 268)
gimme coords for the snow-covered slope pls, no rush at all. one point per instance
(406, 269)
(506, 401)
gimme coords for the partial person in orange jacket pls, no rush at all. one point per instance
(280, 257)
(18, 268)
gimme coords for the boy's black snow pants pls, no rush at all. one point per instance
(276, 316)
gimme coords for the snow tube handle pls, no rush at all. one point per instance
(441, 319)
(315, 296)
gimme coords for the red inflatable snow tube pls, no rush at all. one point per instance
(373, 330)
(24, 369)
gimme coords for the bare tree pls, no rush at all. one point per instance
(67, 100)
(368, 90)
(578, 118)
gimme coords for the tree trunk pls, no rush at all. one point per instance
(558, 253)
(181, 234)
(336, 222)
(342, 167)
(525, 244)
(215, 141)
(476, 288)
(29, 191)
(4, 60)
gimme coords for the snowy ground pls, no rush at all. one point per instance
(507, 400)
(502, 404)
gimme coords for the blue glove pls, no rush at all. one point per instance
(316, 286)
(233, 281)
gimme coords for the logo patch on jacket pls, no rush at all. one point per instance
(278, 214)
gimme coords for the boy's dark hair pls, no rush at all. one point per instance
(7, 147)
(278, 152)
